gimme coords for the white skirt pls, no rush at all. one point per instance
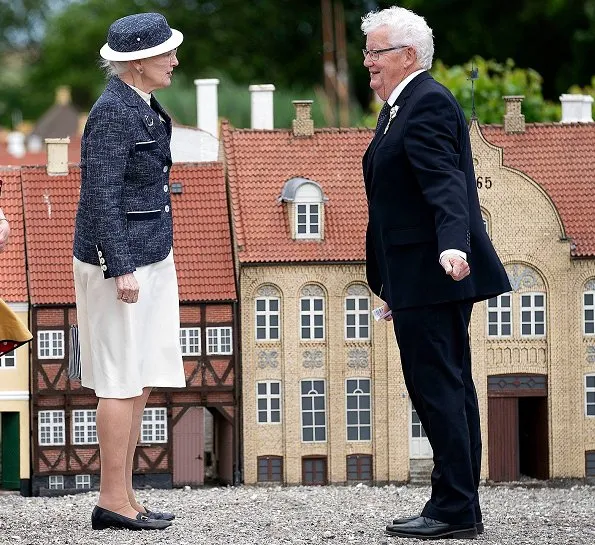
(127, 347)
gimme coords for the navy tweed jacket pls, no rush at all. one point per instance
(124, 217)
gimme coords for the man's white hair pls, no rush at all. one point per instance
(113, 68)
(406, 28)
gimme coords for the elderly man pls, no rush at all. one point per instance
(429, 258)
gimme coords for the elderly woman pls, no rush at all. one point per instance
(125, 278)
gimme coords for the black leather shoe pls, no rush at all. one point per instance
(426, 528)
(102, 519)
(478, 525)
(158, 515)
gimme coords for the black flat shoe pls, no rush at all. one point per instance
(102, 519)
(478, 525)
(427, 528)
(158, 515)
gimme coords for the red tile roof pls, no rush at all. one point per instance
(201, 233)
(40, 158)
(560, 158)
(259, 163)
(13, 274)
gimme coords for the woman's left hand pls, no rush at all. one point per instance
(4, 232)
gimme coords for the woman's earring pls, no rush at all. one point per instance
(140, 70)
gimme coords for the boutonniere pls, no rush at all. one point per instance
(391, 115)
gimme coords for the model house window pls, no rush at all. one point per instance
(307, 199)
(358, 409)
(83, 481)
(500, 316)
(190, 341)
(267, 319)
(312, 318)
(50, 344)
(357, 318)
(533, 314)
(154, 426)
(314, 471)
(590, 463)
(359, 467)
(56, 482)
(268, 401)
(84, 427)
(50, 427)
(313, 411)
(270, 469)
(590, 395)
(589, 313)
(308, 220)
(219, 340)
(8, 360)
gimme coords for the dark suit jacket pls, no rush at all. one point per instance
(124, 217)
(422, 198)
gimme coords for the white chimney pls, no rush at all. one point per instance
(206, 105)
(261, 99)
(16, 144)
(57, 149)
(577, 108)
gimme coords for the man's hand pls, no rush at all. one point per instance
(456, 267)
(127, 287)
(4, 232)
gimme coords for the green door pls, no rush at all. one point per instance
(11, 459)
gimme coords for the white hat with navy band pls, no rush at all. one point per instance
(140, 36)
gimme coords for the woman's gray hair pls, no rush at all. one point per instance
(113, 68)
(407, 28)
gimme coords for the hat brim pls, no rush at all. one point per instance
(174, 41)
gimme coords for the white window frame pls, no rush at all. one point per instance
(268, 316)
(82, 482)
(190, 342)
(313, 395)
(154, 425)
(533, 310)
(9, 360)
(215, 337)
(84, 423)
(50, 344)
(56, 482)
(269, 398)
(358, 395)
(55, 427)
(313, 229)
(498, 310)
(358, 315)
(589, 390)
(588, 308)
(312, 314)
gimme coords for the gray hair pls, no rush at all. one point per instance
(113, 68)
(406, 26)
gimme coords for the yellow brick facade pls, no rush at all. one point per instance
(529, 236)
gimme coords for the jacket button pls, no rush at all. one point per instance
(165, 168)
(104, 268)
(101, 260)
(99, 253)
(165, 188)
(166, 208)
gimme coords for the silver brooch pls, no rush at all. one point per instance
(149, 120)
(392, 114)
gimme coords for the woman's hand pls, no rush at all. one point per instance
(4, 232)
(127, 287)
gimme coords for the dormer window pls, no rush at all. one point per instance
(306, 199)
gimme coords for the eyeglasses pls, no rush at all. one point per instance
(170, 54)
(375, 53)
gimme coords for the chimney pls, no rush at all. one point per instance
(16, 144)
(514, 120)
(206, 105)
(57, 151)
(576, 108)
(303, 124)
(261, 99)
(63, 97)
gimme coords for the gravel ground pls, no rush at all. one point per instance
(328, 515)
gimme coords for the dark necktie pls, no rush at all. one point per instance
(382, 116)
